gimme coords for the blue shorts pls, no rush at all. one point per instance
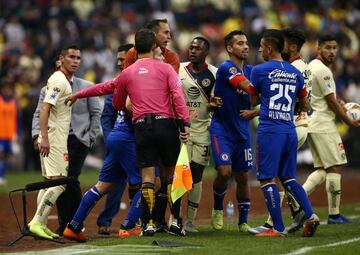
(229, 152)
(5, 146)
(276, 155)
(120, 160)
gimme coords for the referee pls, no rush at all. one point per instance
(155, 92)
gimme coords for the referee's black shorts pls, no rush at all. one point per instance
(157, 140)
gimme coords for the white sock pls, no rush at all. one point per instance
(333, 190)
(193, 201)
(46, 204)
(315, 179)
(40, 195)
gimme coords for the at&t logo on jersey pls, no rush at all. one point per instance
(193, 93)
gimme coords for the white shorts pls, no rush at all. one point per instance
(302, 133)
(57, 162)
(199, 150)
(327, 149)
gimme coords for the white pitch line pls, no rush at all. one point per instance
(309, 248)
(133, 249)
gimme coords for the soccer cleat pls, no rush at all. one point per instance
(298, 222)
(38, 230)
(149, 230)
(176, 229)
(50, 233)
(69, 233)
(260, 229)
(190, 227)
(244, 227)
(103, 230)
(339, 220)
(125, 233)
(161, 227)
(271, 233)
(311, 225)
(217, 219)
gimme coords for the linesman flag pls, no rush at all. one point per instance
(182, 181)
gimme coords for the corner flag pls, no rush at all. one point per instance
(182, 181)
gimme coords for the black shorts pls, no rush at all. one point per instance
(157, 140)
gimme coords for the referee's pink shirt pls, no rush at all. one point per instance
(149, 83)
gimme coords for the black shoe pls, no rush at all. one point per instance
(60, 230)
(161, 227)
(176, 229)
(149, 230)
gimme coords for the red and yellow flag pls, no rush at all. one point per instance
(182, 181)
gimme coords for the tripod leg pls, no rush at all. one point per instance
(17, 239)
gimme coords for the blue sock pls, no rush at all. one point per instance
(272, 200)
(243, 207)
(2, 168)
(135, 211)
(219, 194)
(88, 201)
(300, 195)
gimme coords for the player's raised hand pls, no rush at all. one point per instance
(72, 99)
(249, 114)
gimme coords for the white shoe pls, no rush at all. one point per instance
(190, 227)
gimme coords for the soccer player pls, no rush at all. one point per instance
(156, 134)
(294, 40)
(230, 137)
(9, 125)
(55, 119)
(324, 140)
(198, 79)
(162, 32)
(84, 128)
(277, 83)
(108, 119)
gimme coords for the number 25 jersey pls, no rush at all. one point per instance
(278, 83)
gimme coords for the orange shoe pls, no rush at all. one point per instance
(310, 226)
(124, 233)
(72, 235)
(271, 233)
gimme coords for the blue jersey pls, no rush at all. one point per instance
(226, 120)
(108, 117)
(123, 126)
(278, 83)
